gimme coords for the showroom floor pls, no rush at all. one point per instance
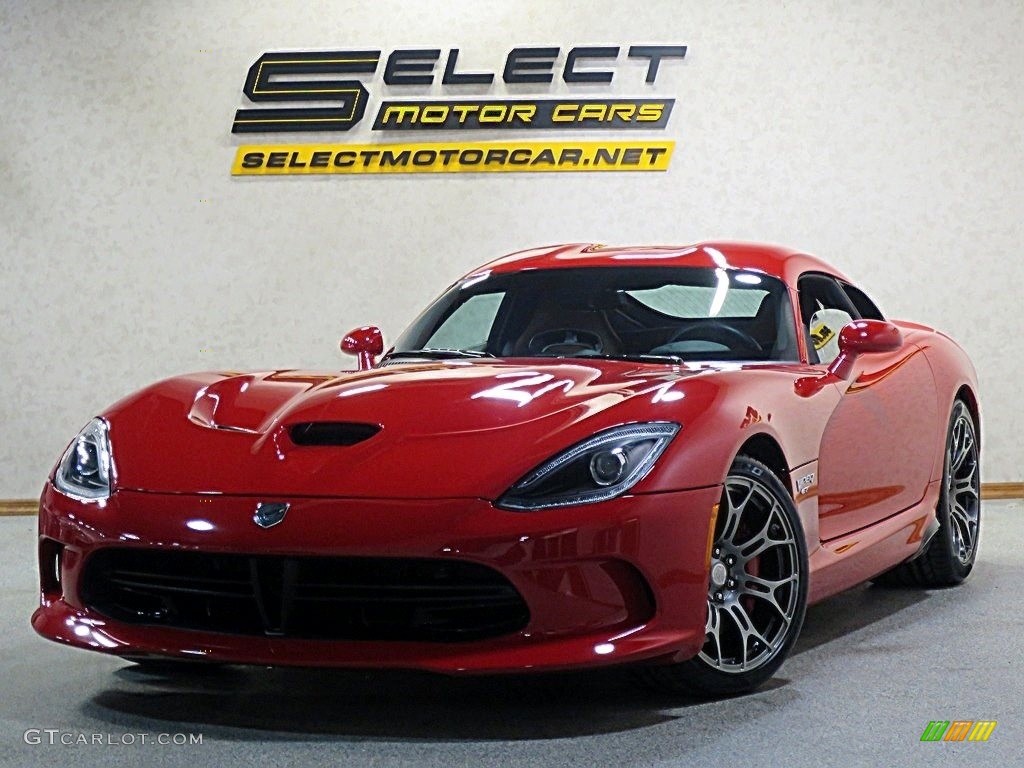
(872, 668)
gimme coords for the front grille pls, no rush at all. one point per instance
(328, 598)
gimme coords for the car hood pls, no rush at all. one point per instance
(446, 429)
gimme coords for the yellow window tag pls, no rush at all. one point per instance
(821, 335)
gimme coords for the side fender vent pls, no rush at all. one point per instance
(331, 432)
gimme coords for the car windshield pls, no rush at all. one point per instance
(666, 313)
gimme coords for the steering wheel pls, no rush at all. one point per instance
(722, 333)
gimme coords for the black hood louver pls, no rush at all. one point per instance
(331, 432)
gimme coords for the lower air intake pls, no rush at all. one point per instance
(329, 598)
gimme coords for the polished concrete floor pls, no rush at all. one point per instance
(872, 668)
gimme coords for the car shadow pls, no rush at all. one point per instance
(402, 705)
(290, 703)
(853, 610)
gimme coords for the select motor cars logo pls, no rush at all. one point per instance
(326, 91)
(958, 730)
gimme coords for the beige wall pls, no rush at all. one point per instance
(884, 136)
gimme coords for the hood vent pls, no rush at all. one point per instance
(331, 432)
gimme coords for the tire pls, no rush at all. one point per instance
(757, 589)
(949, 557)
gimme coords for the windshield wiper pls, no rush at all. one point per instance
(439, 353)
(632, 357)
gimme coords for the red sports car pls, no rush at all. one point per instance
(577, 455)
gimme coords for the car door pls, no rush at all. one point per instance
(875, 458)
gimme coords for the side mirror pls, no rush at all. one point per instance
(863, 337)
(866, 336)
(366, 343)
(860, 337)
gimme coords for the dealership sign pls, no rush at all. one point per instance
(326, 92)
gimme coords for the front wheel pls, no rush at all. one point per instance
(757, 589)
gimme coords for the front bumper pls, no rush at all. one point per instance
(623, 580)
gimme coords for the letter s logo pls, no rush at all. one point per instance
(260, 87)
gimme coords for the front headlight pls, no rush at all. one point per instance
(600, 468)
(85, 468)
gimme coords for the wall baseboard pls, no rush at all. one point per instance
(993, 491)
(989, 491)
(11, 507)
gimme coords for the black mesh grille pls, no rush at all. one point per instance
(331, 432)
(304, 597)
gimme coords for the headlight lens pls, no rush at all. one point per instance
(600, 468)
(85, 468)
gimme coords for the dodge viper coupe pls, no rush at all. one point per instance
(577, 455)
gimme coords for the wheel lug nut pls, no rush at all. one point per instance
(732, 583)
(717, 551)
(730, 560)
(718, 596)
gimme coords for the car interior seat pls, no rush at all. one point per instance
(765, 327)
(557, 330)
(823, 331)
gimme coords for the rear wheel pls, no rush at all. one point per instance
(949, 556)
(757, 589)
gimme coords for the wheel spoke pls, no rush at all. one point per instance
(713, 629)
(731, 524)
(766, 591)
(957, 513)
(963, 537)
(962, 519)
(733, 516)
(762, 541)
(747, 631)
(965, 485)
(966, 444)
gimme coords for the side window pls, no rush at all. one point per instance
(824, 310)
(469, 325)
(865, 306)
